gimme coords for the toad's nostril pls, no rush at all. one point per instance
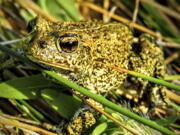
(31, 24)
(42, 44)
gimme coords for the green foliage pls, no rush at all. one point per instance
(150, 16)
(24, 88)
(100, 129)
(61, 9)
(172, 77)
(105, 126)
(155, 80)
(66, 105)
(167, 121)
(158, 20)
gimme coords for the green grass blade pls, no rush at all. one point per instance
(64, 104)
(145, 77)
(172, 77)
(57, 7)
(70, 7)
(24, 88)
(32, 111)
(155, 80)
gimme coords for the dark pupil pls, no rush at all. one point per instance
(68, 46)
(68, 42)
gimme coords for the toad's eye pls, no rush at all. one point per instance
(67, 43)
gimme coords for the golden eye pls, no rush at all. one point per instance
(67, 43)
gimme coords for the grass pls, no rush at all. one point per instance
(20, 91)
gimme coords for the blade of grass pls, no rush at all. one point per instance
(26, 126)
(154, 80)
(173, 105)
(64, 104)
(30, 4)
(119, 18)
(163, 8)
(70, 8)
(164, 29)
(135, 13)
(149, 78)
(155, 20)
(24, 87)
(24, 110)
(172, 77)
(17, 55)
(33, 111)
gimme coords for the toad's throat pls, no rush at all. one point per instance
(50, 64)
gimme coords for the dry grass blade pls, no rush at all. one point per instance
(30, 4)
(168, 44)
(172, 57)
(19, 119)
(121, 6)
(162, 8)
(135, 12)
(121, 19)
(25, 126)
(44, 125)
(106, 7)
(131, 130)
(172, 96)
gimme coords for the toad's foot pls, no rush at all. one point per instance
(83, 119)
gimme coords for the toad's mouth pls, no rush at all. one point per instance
(48, 65)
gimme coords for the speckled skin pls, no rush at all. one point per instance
(108, 43)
